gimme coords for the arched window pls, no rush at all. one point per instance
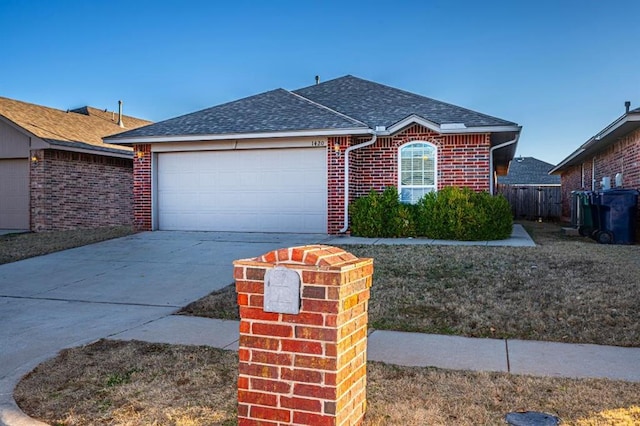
(417, 170)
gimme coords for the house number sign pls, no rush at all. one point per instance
(282, 291)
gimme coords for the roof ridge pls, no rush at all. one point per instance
(427, 97)
(219, 105)
(35, 105)
(405, 95)
(68, 110)
(326, 107)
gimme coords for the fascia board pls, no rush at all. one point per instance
(226, 136)
(127, 155)
(601, 138)
(616, 124)
(415, 119)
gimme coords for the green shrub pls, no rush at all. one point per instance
(462, 214)
(381, 215)
(452, 214)
(366, 215)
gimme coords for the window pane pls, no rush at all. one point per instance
(417, 171)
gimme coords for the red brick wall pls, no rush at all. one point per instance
(571, 180)
(142, 188)
(72, 190)
(335, 183)
(463, 160)
(621, 157)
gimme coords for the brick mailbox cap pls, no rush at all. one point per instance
(311, 255)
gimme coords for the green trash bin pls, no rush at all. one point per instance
(586, 225)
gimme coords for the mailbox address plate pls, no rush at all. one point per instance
(282, 291)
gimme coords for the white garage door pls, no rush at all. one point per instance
(268, 190)
(14, 194)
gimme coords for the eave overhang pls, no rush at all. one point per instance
(604, 139)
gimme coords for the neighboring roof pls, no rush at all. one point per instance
(346, 105)
(380, 105)
(624, 125)
(82, 128)
(112, 117)
(529, 171)
(275, 111)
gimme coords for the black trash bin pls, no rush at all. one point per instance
(616, 216)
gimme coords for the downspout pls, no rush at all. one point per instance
(346, 178)
(502, 145)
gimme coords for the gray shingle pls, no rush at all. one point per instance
(274, 111)
(529, 171)
(380, 105)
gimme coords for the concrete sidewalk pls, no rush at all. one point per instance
(429, 350)
(518, 238)
(127, 288)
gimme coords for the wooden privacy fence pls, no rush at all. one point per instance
(533, 202)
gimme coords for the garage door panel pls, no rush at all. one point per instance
(282, 190)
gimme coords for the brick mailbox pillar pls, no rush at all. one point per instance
(303, 337)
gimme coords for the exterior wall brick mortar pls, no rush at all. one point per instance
(142, 189)
(71, 190)
(310, 368)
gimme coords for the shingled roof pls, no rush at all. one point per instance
(274, 111)
(81, 128)
(380, 105)
(344, 104)
(529, 171)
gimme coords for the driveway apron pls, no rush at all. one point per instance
(77, 296)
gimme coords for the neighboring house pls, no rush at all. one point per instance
(56, 172)
(531, 191)
(277, 161)
(614, 151)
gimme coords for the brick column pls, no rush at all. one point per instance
(335, 183)
(142, 188)
(307, 368)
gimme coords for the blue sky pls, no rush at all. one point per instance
(560, 68)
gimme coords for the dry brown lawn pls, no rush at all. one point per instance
(15, 247)
(135, 383)
(567, 289)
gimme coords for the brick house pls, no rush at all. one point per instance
(614, 151)
(56, 173)
(277, 161)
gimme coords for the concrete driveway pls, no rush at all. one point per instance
(77, 296)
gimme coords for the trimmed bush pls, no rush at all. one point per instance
(382, 215)
(450, 214)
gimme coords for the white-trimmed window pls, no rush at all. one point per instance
(417, 170)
